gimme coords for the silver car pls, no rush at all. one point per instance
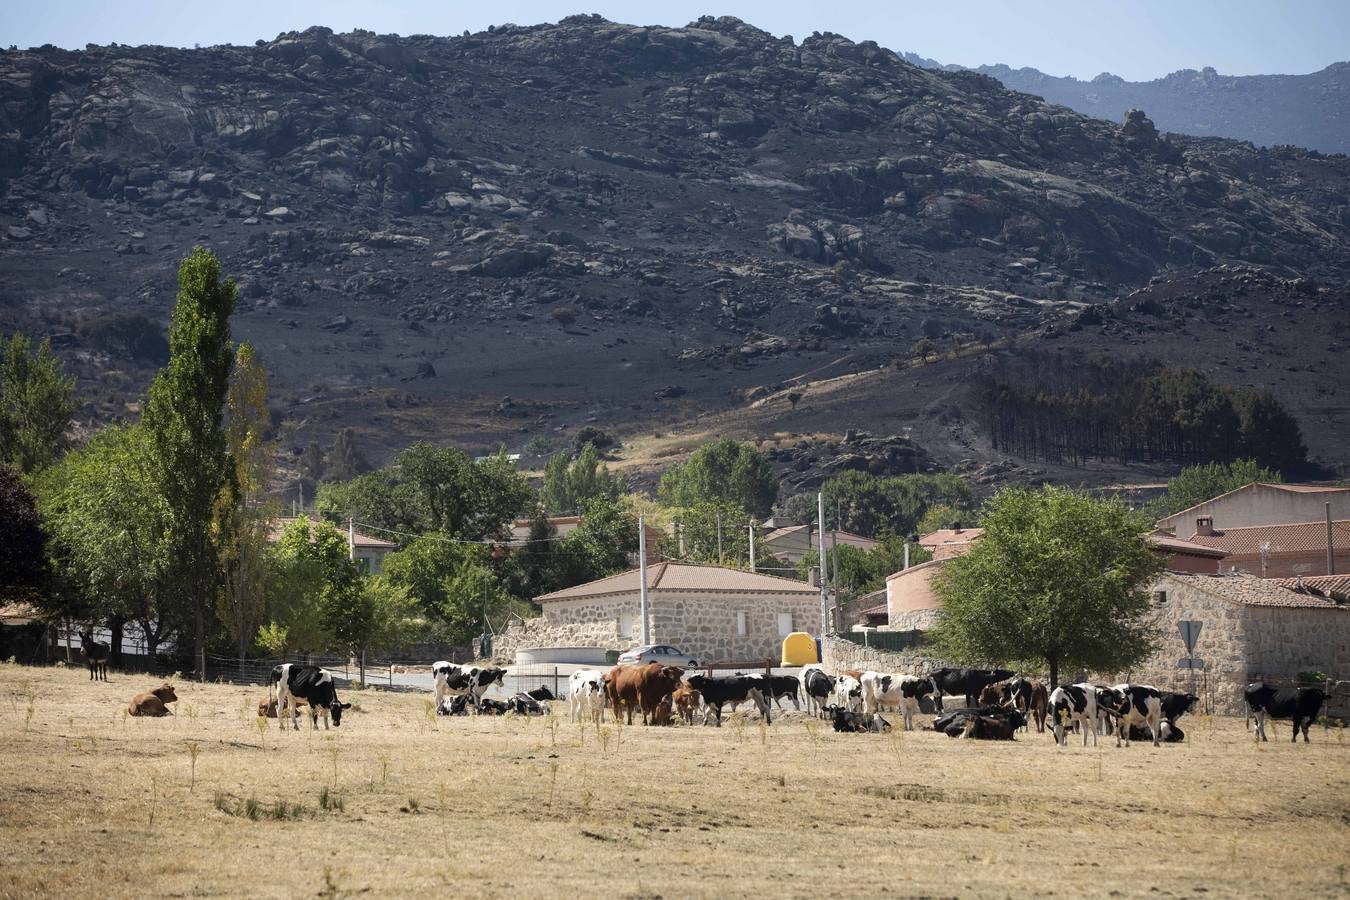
(664, 654)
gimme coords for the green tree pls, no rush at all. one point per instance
(725, 471)
(1268, 432)
(863, 571)
(698, 526)
(453, 584)
(569, 485)
(313, 586)
(23, 569)
(36, 403)
(871, 506)
(1059, 578)
(432, 488)
(183, 417)
(942, 515)
(110, 551)
(345, 461)
(600, 546)
(1196, 484)
(243, 514)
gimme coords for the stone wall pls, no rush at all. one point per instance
(841, 656)
(540, 632)
(913, 620)
(706, 626)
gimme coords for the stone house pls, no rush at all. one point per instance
(713, 613)
(1260, 503)
(1251, 628)
(791, 542)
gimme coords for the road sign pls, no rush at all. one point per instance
(1191, 662)
(1190, 632)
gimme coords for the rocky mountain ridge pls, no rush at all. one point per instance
(491, 237)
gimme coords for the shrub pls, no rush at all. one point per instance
(126, 334)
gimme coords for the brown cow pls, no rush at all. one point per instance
(268, 708)
(992, 695)
(987, 728)
(1040, 703)
(641, 686)
(662, 714)
(686, 702)
(151, 703)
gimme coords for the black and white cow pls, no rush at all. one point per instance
(526, 705)
(1299, 704)
(1017, 691)
(449, 681)
(816, 688)
(290, 682)
(1071, 703)
(1133, 705)
(900, 692)
(967, 682)
(733, 689)
(847, 720)
(848, 692)
(1175, 705)
(541, 693)
(586, 695)
(481, 679)
(778, 686)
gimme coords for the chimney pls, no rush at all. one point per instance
(1204, 525)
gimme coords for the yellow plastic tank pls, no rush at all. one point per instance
(799, 649)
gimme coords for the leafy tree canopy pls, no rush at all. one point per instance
(1196, 484)
(725, 471)
(863, 571)
(1058, 579)
(36, 403)
(871, 506)
(313, 587)
(23, 570)
(569, 485)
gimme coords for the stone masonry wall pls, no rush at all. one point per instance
(706, 625)
(841, 656)
(542, 633)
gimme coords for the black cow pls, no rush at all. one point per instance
(967, 682)
(1017, 691)
(95, 655)
(954, 723)
(776, 686)
(1175, 705)
(1299, 704)
(541, 693)
(734, 689)
(291, 682)
(817, 686)
(846, 720)
(526, 705)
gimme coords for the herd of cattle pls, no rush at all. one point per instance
(997, 702)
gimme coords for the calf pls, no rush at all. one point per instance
(902, 692)
(1133, 705)
(541, 693)
(816, 687)
(848, 692)
(1268, 702)
(488, 707)
(586, 695)
(717, 692)
(95, 655)
(847, 720)
(290, 683)
(1074, 703)
(662, 714)
(454, 706)
(525, 705)
(151, 703)
(268, 708)
(1038, 703)
(992, 695)
(686, 701)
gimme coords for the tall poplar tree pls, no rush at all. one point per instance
(184, 418)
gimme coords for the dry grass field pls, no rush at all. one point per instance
(394, 803)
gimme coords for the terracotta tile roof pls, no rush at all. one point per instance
(1303, 537)
(845, 537)
(1165, 541)
(671, 576)
(1249, 590)
(363, 541)
(1288, 488)
(950, 536)
(1333, 587)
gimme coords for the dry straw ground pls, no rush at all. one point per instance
(394, 803)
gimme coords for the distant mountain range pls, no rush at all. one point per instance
(1310, 111)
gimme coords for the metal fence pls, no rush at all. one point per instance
(885, 640)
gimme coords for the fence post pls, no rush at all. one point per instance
(555, 681)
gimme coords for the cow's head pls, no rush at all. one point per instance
(1112, 701)
(165, 693)
(336, 708)
(937, 692)
(671, 675)
(697, 682)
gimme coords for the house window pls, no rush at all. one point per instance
(741, 628)
(626, 625)
(784, 624)
(1160, 598)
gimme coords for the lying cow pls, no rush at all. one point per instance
(152, 703)
(268, 708)
(846, 720)
(541, 693)
(1298, 704)
(717, 692)
(454, 706)
(1074, 703)
(586, 695)
(953, 723)
(525, 705)
(988, 728)
(1171, 734)
(488, 707)
(290, 683)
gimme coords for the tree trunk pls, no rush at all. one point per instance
(199, 639)
(115, 625)
(363, 667)
(1054, 672)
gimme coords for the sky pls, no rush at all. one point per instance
(1136, 39)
